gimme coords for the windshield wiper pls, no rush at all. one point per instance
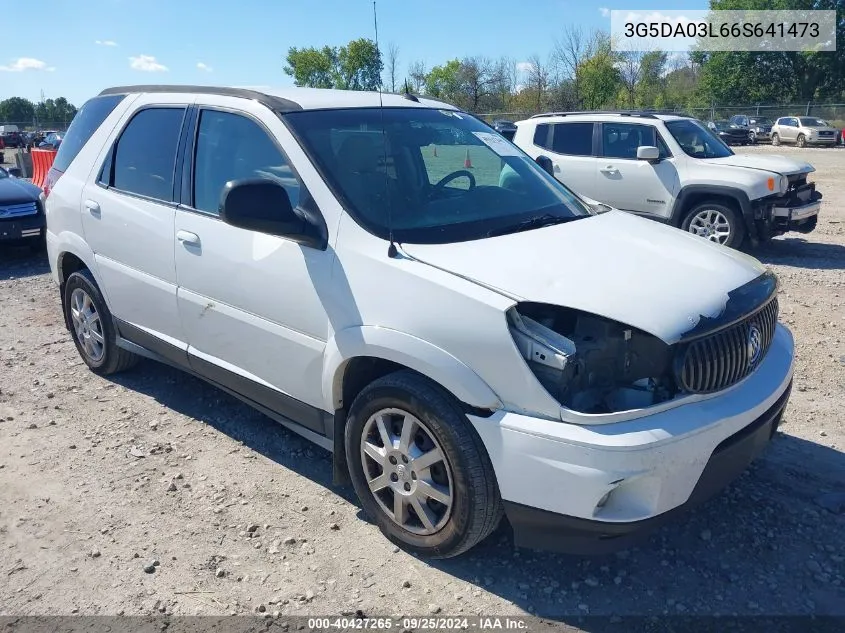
(536, 222)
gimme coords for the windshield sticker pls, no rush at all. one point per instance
(497, 143)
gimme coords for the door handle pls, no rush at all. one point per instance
(610, 169)
(187, 238)
(557, 168)
(93, 208)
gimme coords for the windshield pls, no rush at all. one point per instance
(812, 122)
(432, 176)
(697, 140)
(761, 121)
(722, 125)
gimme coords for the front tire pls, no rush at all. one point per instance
(92, 327)
(717, 222)
(419, 468)
(802, 141)
(775, 139)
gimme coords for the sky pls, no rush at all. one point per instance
(84, 46)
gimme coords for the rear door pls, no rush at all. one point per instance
(631, 184)
(570, 147)
(128, 212)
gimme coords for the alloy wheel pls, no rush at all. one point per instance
(712, 225)
(87, 325)
(407, 471)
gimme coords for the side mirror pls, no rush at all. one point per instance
(648, 152)
(262, 205)
(14, 172)
(546, 163)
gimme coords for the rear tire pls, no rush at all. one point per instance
(92, 326)
(717, 222)
(412, 451)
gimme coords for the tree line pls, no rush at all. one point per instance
(23, 111)
(584, 72)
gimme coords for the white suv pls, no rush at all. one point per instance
(674, 169)
(412, 292)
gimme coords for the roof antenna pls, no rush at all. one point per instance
(391, 250)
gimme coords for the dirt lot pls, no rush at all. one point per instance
(98, 478)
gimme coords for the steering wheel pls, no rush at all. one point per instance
(450, 177)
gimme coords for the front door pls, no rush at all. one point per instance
(635, 185)
(128, 212)
(248, 301)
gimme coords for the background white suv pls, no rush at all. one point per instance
(674, 169)
(466, 340)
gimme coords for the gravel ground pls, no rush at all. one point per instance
(152, 492)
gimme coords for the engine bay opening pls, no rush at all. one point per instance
(591, 364)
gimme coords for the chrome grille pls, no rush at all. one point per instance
(723, 358)
(17, 210)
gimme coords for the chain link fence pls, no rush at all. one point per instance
(38, 126)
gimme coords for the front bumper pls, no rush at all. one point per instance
(822, 140)
(21, 228)
(589, 489)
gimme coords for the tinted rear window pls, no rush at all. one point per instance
(84, 124)
(573, 139)
(144, 159)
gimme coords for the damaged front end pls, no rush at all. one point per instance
(594, 365)
(591, 364)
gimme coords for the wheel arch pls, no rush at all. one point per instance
(388, 348)
(692, 195)
(71, 258)
(357, 356)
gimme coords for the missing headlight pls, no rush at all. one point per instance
(589, 363)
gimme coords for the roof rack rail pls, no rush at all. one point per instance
(644, 114)
(274, 103)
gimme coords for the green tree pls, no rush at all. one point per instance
(311, 67)
(356, 66)
(16, 109)
(600, 81)
(650, 91)
(751, 77)
(442, 82)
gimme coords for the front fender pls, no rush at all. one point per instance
(407, 350)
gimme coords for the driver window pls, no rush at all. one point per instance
(231, 147)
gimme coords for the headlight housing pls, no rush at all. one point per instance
(589, 363)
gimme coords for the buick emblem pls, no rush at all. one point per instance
(755, 345)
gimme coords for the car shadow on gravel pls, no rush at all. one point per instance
(769, 544)
(17, 262)
(764, 546)
(801, 253)
(209, 405)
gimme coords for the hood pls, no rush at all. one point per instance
(16, 190)
(775, 164)
(629, 269)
